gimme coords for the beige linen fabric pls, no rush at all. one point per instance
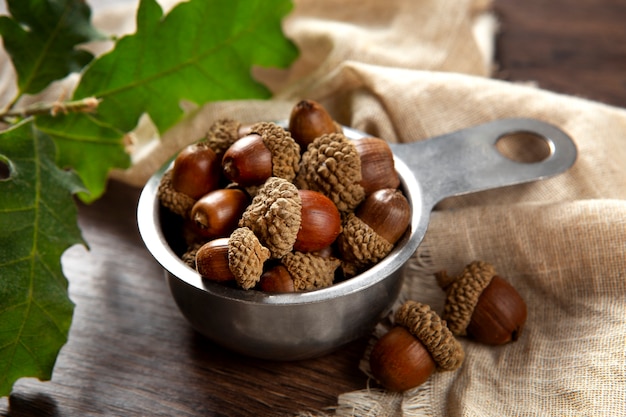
(407, 70)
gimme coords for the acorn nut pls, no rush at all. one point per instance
(309, 120)
(277, 280)
(387, 212)
(331, 166)
(300, 271)
(275, 215)
(419, 344)
(482, 305)
(286, 218)
(240, 257)
(217, 213)
(378, 169)
(177, 202)
(223, 133)
(371, 232)
(320, 222)
(268, 150)
(196, 171)
(211, 261)
(248, 161)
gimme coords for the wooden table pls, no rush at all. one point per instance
(131, 353)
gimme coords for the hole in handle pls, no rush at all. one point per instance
(524, 147)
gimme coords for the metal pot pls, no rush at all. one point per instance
(305, 325)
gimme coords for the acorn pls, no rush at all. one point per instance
(370, 233)
(286, 219)
(177, 202)
(239, 257)
(223, 133)
(387, 212)
(331, 165)
(275, 215)
(196, 171)
(309, 120)
(217, 213)
(378, 169)
(298, 272)
(189, 256)
(320, 222)
(248, 161)
(211, 261)
(419, 344)
(277, 280)
(268, 150)
(482, 305)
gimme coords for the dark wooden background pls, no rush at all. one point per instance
(130, 352)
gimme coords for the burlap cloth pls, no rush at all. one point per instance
(406, 70)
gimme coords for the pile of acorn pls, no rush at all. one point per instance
(299, 208)
(285, 209)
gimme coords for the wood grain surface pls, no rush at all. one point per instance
(131, 353)
(575, 47)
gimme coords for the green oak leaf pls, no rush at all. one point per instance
(88, 147)
(38, 222)
(201, 51)
(41, 38)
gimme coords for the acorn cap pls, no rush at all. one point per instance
(359, 239)
(246, 256)
(431, 330)
(310, 271)
(189, 257)
(284, 149)
(274, 215)
(222, 133)
(462, 294)
(171, 199)
(332, 166)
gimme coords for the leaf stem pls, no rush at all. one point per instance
(85, 105)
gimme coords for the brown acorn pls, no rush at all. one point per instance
(418, 345)
(482, 305)
(277, 280)
(387, 212)
(275, 215)
(399, 361)
(299, 271)
(309, 120)
(370, 233)
(239, 257)
(212, 261)
(377, 165)
(217, 213)
(320, 223)
(269, 150)
(223, 133)
(287, 219)
(175, 201)
(332, 166)
(248, 161)
(196, 171)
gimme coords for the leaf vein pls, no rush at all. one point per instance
(17, 209)
(194, 60)
(46, 49)
(15, 261)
